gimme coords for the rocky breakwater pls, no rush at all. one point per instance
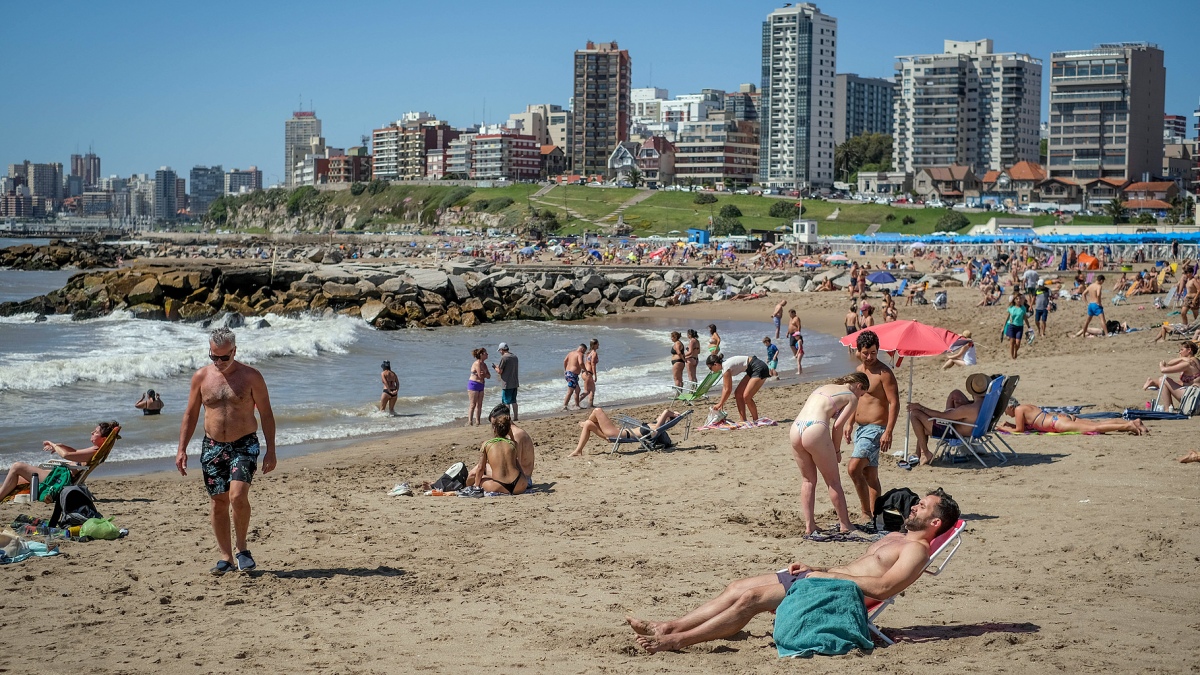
(59, 254)
(386, 296)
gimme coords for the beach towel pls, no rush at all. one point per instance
(1069, 409)
(14, 549)
(821, 616)
(730, 425)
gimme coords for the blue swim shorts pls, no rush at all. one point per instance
(866, 442)
(508, 396)
(1095, 309)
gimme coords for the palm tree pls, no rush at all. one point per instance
(1115, 209)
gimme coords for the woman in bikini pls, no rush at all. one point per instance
(714, 340)
(600, 424)
(677, 359)
(817, 447)
(890, 313)
(692, 356)
(1187, 366)
(591, 360)
(1033, 418)
(479, 373)
(498, 469)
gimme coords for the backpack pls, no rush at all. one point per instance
(892, 507)
(52, 485)
(74, 506)
(453, 480)
(1189, 403)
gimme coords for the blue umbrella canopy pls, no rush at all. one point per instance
(528, 250)
(881, 277)
(783, 251)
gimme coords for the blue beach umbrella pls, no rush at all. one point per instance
(881, 278)
(528, 250)
(783, 251)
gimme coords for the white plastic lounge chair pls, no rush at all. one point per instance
(940, 545)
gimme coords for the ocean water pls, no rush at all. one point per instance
(59, 377)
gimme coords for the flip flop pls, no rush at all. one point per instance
(904, 465)
(222, 567)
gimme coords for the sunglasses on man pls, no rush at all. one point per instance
(216, 358)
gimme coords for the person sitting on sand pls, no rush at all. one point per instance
(958, 409)
(961, 353)
(20, 473)
(150, 403)
(526, 457)
(889, 566)
(499, 469)
(1187, 366)
(600, 424)
(827, 285)
(1033, 418)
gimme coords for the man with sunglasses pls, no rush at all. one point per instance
(229, 391)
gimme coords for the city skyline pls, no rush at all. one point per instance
(231, 111)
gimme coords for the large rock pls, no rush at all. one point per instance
(593, 282)
(394, 285)
(628, 293)
(430, 280)
(373, 309)
(194, 311)
(147, 310)
(673, 278)
(619, 277)
(592, 298)
(366, 289)
(182, 283)
(342, 292)
(472, 305)
(658, 289)
(148, 291)
(508, 281)
(332, 257)
(338, 275)
(245, 280)
(461, 292)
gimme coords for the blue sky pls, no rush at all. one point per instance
(153, 83)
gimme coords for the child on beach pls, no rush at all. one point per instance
(772, 357)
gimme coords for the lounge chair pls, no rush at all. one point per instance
(655, 440)
(940, 300)
(952, 441)
(694, 391)
(940, 545)
(79, 471)
(899, 290)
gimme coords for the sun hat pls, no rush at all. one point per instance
(966, 334)
(977, 384)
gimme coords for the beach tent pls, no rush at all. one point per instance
(659, 253)
(907, 338)
(1088, 261)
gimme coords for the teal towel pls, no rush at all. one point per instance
(822, 616)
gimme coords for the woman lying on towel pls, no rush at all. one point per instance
(1033, 418)
(600, 424)
(498, 469)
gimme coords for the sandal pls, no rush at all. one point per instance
(245, 562)
(222, 567)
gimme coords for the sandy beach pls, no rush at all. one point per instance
(1078, 556)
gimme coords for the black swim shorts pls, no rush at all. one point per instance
(225, 462)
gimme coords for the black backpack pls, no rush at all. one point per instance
(892, 507)
(74, 506)
(453, 480)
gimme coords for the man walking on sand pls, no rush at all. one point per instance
(229, 391)
(572, 366)
(1093, 296)
(777, 316)
(876, 417)
(508, 374)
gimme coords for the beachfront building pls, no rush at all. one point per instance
(1013, 187)
(799, 62)
(546, 122)
(44, 181)
(458, 157)
(352, 167)
(968, 106)
(1179, 165)
(601, 112)
(951, 184)
(1174, 129)
(645, 104)
(166, 201)
(553, 161)
(894, 183)
(500, 153)
(717, 153)
(1106, 112)
(656, 162)
(297, 132)
(400, 149)
(1149, 196)
(238, 181)
(208, 183)
(861, 105)
(742, 105)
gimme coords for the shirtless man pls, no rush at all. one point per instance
(876, 417)
(1033, 418)
(229, 391)
(391, 388)
(889, 566)
(777, 316)
(572, 366)
(793, 332)
(1094, 296)
(958, 408)
(524, 442)
(851, 321)
(1192, 285)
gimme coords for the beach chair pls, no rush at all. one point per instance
(953, 442)
(940, 553)
(898, 292)
(940, 300)
(689, 393)
(79, 471)
(655, 440)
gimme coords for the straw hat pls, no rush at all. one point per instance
(966, 334)
(977, 384)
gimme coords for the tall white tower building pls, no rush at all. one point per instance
(297, 133)
(799, 64)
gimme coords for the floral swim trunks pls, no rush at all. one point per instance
(225, 462)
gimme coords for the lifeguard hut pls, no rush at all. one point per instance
(803, 232)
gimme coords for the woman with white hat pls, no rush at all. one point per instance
(961, 353)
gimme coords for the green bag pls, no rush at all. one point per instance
(99, 528)
(48, 489)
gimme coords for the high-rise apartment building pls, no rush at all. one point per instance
(399, 150)
(968, 106)
(501, 154)
(601, 105)
(297, 132)
(166, 204)
(715, 152)
(861, 105)
(43, 180)
(799, 61)
(645, 104)
(540, 121)
(1106, 112)
(87, 167)
(208, 183)
(1174, 129)
(742, 105)
(238, 181)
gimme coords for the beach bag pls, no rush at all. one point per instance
(1189, 403)
(74, 506)
(48, 488)
(892, 507)
(100, 528)
(454, 479)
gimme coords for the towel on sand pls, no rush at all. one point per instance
(821, 616)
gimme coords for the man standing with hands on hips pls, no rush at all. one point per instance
(507, 373)
(229, 391)
(876, 417)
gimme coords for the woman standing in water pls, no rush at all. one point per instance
(677, 359)
(479, 373)
(692, 356)
(591, 361)
(714, 340)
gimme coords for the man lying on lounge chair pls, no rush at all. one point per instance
(20, 472)
(889, 566)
